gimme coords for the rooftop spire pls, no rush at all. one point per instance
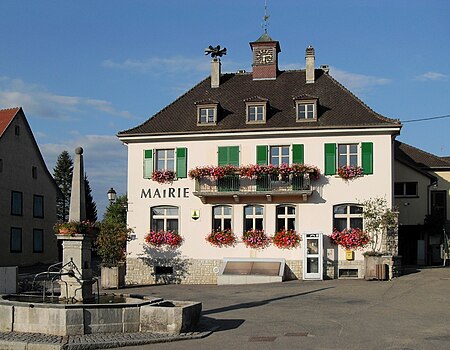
(265, 24)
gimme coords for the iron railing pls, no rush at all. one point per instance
(264, 183)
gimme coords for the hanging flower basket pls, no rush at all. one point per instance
(286, 239)
(163, 238)
(350, 172)
(255, 239)
(163, 176)
(350, 239)
(221, 238)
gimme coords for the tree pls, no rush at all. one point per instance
(62, 172)
(91, 207)
(116, 212)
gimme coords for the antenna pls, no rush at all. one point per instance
(265, 24)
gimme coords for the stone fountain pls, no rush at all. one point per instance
(77, 310)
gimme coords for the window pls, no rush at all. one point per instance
(165, 159)
(164, 218)
(17, 130)
(16, 203)
(228, 155)
(38, 241)
(1, 165)
(347, 155)
(253, 217)
(34, 172)
(206, 115)
(38, 206)
(306, 111)
(15, 240)
(279, 155)
(222, 217)
(347, 216)
(405, 189)
(285, 217)
(256, 113)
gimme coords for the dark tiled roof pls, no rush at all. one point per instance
(418, 158)
(6, 115)
(337, 106)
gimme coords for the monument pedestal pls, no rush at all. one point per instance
(76, 280)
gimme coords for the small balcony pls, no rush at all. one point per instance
(267, 186)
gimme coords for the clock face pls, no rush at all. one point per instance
(264, 56)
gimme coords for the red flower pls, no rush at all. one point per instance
(161, 237)
(256, 239)
(221, 238)
(353, 238)
(286, 239)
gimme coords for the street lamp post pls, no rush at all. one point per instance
(112, 195)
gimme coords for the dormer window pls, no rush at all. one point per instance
(306, 109)
(207, 113)
(256, 110)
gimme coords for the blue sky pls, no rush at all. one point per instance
(85, 70)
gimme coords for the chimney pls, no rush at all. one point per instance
(310, 64)
(215, 72)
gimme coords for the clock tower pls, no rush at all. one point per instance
(265, 58)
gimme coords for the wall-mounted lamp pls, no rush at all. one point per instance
(111, 195)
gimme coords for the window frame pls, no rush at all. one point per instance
(34, 172)
(207, 107)
(348, 215)
(13, 212)
(285, 216)
(19, 231)
(306, 103)
(165, 159)
(404, 189)
(348, 154)
(35, 232)
(222, 217)
(165, 217)
(280, 155)
(35, 214)
(256, 105)
(253, 216)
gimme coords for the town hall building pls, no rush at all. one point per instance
(249, 122)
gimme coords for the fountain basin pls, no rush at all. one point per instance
(127, 315)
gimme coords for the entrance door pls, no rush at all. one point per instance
(439, 204)
(312, 256)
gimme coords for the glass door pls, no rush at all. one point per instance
(312, 256)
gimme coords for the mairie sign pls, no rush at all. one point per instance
(170, 192)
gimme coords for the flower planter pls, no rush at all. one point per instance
(113, 277)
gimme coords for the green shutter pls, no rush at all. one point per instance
(298, 154)
(181, 162)
(262, 155)
(367, 157)
(228, 155)
(148, 163)
(330, 158)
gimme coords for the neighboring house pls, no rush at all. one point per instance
(27, 195)
(264, 117)
(421, 189)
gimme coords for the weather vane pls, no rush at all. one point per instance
(265, 24)
(215, 51)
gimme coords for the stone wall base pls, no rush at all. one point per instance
(205, 271)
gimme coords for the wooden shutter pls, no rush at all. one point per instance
(367, 157)
(262, 155)
(298, 154)
(181, 162)
(148, 163)
(228, 155)
(330, 158)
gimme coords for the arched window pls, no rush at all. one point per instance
(164, 218)
(285, 217)
(222, 217)
(253, 217)
(347, 216)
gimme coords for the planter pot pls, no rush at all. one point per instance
(113, 277)
(370, 263)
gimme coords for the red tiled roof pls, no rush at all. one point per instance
(6, 115)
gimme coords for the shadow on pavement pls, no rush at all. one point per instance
(217, 324)
(258, 303)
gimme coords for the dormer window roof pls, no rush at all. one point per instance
(207, 112)
(305, 108)
(256, 110)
